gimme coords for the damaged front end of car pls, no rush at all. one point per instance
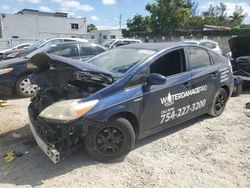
(57, 110)
(240, 52)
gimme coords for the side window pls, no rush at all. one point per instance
(139, 78)
(215, 57)
(68, 40)
(53, 42)
(198, 58)
(91, 50)
(170, 64)
(121, 43)
(66, 51)
(210, 45)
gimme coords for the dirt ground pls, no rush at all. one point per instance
(204, 152)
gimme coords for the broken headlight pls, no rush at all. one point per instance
(67, 110)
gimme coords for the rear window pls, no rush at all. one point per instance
(87, 50)
(198, 58)
(209, 45)
(215, 58)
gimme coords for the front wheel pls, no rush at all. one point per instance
(24, 88)
(112, 141)
(219, 103)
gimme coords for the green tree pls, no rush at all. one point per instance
(238, 16)
(194, 22)
(216, 15)
(91, 27)
(139, 24)
(167, 15)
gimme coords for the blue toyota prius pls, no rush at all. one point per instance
(124, 94)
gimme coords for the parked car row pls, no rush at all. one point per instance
(25, 51)
(14, 75)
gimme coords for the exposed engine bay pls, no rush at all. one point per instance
(60, 82)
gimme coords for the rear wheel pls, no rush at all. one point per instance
(112, 141)
(219, 103)
(24, 88)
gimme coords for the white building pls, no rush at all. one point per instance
(100, 36)
(35, 24)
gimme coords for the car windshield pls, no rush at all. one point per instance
(39, 50)
(120, 60)
(37, 44)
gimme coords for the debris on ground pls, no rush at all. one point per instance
(248, 105)
(9, 157)
(12, 155)
(15, 135)
(247, 112)
(3, 103)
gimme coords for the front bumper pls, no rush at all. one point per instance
(7, 83)
(55, 139)
(49, 150)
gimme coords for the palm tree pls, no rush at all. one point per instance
(238, 16)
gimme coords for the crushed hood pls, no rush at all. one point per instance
(43, 62)
(240, 46)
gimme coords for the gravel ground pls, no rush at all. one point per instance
(204, 152)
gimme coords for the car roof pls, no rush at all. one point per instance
(123, 39)
(77, 42)
(65, 38)
(155, 46)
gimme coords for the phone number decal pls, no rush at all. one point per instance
(171, 113)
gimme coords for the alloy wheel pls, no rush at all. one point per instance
(27, 88)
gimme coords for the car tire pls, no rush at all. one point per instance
(237, 90)
(111, 141)
(219, 103)
(24, 88)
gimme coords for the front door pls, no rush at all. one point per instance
(163, 104)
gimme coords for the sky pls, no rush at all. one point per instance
(105, 13)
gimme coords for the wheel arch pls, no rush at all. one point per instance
(227, 90)
(130, 117)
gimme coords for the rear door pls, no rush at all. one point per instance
(205, 78)
(162, 104)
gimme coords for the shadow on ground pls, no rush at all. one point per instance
(35, 167)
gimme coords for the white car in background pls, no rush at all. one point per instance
(113, 43)
(39, 44)
(18, 47)
(206, 43)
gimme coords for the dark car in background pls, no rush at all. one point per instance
(14, 75)
(122, 94)
(240, 55)
(39, 44)
(240, 60)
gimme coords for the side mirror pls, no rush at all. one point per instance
(156, 79)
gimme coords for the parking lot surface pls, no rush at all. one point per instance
(204, 152)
